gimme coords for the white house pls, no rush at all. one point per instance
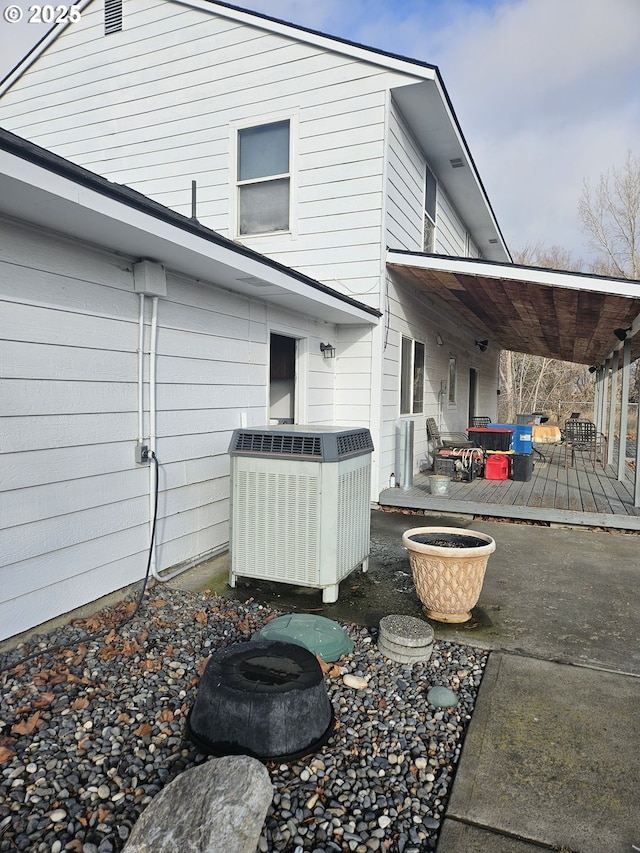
(125, 323)
(125, 320)
(311, 150)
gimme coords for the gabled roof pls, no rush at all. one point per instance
(423, 101)
(44, 189)
(356, 50)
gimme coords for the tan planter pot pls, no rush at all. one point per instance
(448, 577)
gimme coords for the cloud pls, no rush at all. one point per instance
(546, 92)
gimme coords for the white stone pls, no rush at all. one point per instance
(57, 815)
(355, 681)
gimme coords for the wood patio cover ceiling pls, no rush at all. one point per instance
(572, 317)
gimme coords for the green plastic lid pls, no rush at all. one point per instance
(318, 634)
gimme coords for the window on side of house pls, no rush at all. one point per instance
(411, 377)
(264, 178)
(430, 196)
(453, 379)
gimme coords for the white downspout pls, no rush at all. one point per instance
(141, 370)
(153, 468)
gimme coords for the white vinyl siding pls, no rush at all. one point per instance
(153, 109)
(74, 506)
(451, 236)
(354, 349)
(414, 318)
(406, 199)
(405, 186)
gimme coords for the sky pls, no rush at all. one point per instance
(547, 92)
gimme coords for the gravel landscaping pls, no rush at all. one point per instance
(92, 726)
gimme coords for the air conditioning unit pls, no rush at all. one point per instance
(300, 504)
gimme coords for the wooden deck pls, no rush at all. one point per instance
(572, 496)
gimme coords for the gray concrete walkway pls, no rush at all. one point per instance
(551, 760)
(552, 757)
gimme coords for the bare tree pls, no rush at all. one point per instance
(552, 257)
(610, 216)
(532, 383)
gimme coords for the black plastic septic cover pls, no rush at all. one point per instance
(261, 698)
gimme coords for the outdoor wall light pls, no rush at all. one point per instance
(593, 368)
(328, 350)
(439, 340)
(482, 345)
(621, 334)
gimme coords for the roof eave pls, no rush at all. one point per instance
(429, 112)
(45, 190)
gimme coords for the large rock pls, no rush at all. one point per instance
(217, 807)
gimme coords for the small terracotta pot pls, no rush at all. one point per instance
(448, 566)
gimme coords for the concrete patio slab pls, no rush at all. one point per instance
(551, 757)
(559, 594)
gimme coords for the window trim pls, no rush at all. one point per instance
(429, 219)
(416, 374)
(452, 381)
(234, 183)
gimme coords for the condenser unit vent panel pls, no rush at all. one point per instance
(313, 443)
(300, 504)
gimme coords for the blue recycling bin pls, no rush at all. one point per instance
(521, 440)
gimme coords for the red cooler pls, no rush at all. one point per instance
(497, 467)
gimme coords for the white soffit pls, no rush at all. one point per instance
(426, 108)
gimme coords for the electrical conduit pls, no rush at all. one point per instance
(153, 469)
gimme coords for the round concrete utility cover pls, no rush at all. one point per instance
(318, 634)
(405, 639)
(407, 631)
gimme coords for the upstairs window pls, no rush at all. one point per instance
(411, 377)
(430, 196)
(264, 178)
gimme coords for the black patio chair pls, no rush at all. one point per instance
(580, 436)
(480, 421)
(449, 440)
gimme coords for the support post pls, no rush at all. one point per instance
(612, 411)
(624, 408)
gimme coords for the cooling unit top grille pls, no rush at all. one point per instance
(323, 444)
(268, 443)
